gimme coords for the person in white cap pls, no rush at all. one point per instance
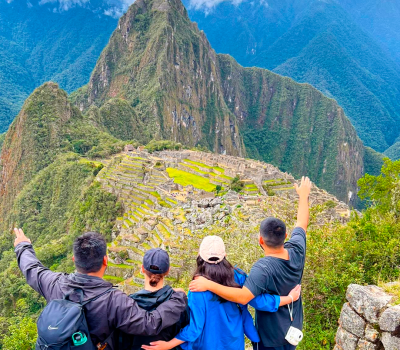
(277, 272)
(216, 323)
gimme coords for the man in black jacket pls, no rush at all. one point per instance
(113, 310)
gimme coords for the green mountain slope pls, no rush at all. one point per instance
(314, 42)
(394, 151)
(46, 126)
(41, 41)
(165, 69)
(2, 136)
(380, 19)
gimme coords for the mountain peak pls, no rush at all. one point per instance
(33, 139)
(171, 80)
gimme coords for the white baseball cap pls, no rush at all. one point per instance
(212, 247)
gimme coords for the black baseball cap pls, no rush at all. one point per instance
(156, 261)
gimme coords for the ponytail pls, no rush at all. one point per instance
(154, 278)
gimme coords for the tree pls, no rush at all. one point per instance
(237, 185)
(383, 191)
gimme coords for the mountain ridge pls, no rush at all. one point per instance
(318, 43)
(41, 42)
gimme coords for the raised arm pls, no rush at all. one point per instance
(303, 213)
(39, 277)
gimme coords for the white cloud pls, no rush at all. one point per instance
(64, 5)
(113, 8)
(208, 5)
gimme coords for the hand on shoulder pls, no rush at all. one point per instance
(199, 284)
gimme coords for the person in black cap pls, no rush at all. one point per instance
(155, 268)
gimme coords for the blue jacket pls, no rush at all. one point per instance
(216, 325)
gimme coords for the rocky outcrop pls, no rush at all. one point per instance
(368, 320)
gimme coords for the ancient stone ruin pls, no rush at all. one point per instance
(368, 320)
(161, 209)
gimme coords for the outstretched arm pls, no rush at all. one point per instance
(39, 277)
(303, 212)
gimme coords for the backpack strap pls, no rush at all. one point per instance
(98, 296)
(80, 292)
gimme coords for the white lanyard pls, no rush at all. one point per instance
(290, 309)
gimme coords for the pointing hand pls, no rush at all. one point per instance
(20, 237)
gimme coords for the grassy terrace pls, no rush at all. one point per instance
(121, 266)
(113, 279)
(184, 178)
(217, 168)
(195, 168)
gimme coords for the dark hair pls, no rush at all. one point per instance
(273, 231)
(221, 273)
(154, 278)
(89, 251)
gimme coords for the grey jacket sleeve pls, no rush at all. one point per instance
(40, 278)
(127, 316)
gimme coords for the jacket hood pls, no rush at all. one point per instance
(92, 286)
(151, 300)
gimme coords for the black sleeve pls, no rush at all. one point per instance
(127, 316)
(39, 277)
(297, 240)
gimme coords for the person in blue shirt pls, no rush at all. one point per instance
(216, 323)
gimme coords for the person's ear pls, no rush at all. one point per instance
(261, 240)
(105, 260)
(142, 269)
(286, 235)
(73, 258)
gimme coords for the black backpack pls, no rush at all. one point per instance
(62, 324)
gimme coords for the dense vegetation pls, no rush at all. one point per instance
(364, 251)
(341, 51)
(162, 145)
(41, 41)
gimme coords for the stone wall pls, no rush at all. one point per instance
(368, 321)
